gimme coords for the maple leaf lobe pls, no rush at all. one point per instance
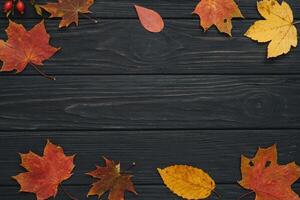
(219, 13)
(266, 178)
(44, 174)
(23, 47)
(68, 10)
(110, 179)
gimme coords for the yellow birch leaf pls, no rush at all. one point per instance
(187, 182)
(277, 28)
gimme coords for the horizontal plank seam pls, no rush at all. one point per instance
(154, 129)
(139, 184)
(157, 74)
(132, 18)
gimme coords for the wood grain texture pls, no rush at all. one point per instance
(168, 9)
(124, 47)
(216, 151)
(149, 102)
(178, 97)
(146, 192)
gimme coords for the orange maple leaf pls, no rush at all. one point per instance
(217, 12)
(68, 10)
(25, 47)
(266, 178)
(111, 180)
(45, 173)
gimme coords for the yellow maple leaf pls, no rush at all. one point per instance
(278, 27)
(187, 182)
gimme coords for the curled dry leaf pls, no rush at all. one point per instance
(25, 47)
(187, 182)
(219, 13)
(45, 173)
(110, 179)
(150, 19)
(266, 178)
(38, 9)
(277, 28)
(68, 10)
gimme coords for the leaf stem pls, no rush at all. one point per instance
(244, 195)
(297, 22)
(89, 17)
(127, 171)
(131, 166)
(67, 193)
(42, 73)
(217, 194)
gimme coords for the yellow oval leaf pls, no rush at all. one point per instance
(187, 182)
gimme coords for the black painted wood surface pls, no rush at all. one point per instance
(216, 151)
(150, 102)
(177, 97)
(182, 48)
(177, 9)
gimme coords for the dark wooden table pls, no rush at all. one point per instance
(178, 97)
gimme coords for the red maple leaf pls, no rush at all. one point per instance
(45, 173)
(25, 47)
(266, 178)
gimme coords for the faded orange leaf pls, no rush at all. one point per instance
(219, 13)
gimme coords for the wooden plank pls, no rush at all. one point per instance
(123, 47)
(149, 102)
(168, 9)
(172, 9)
(146, 192)
(216, 151)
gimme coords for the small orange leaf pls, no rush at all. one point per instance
(68, 10)
(150, 19)
(110, 179)
(45, 173)
(219, 13)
